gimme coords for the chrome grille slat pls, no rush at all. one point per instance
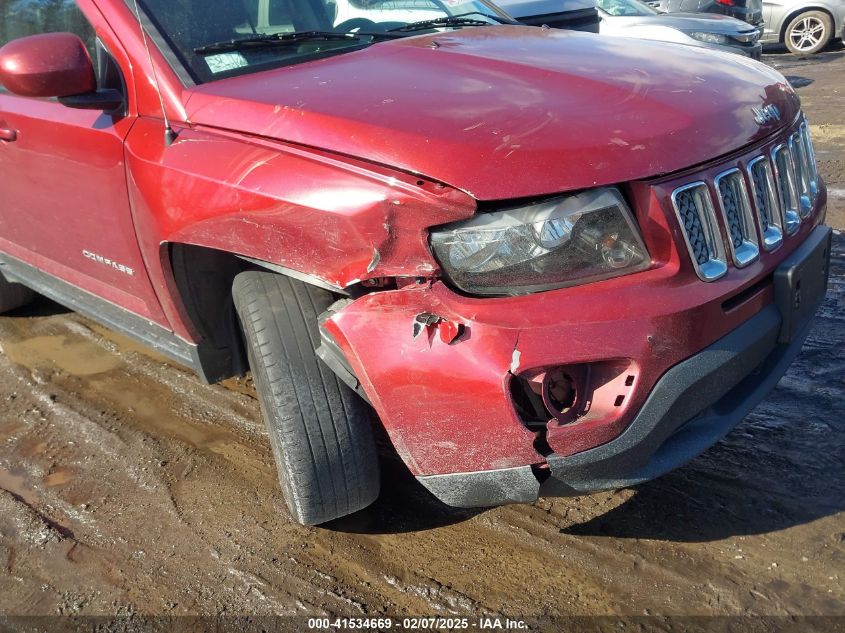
(802, 175)
(736, 212)
(695, 212)
(750, 205)
(810, 156)
(765, 202)
(786, 190)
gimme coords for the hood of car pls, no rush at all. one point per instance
(509, 111)
(703, 22)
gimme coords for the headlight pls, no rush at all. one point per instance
(551, 244)
(710, 38)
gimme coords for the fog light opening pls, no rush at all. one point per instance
(559, 393)
(541, 443)
(541, 472)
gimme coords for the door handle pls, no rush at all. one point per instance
(8, 134)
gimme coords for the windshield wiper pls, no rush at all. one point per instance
(284, 39)
(460, 19)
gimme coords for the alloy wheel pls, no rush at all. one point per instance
(807, 33)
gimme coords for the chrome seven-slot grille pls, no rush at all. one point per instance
(758, 203)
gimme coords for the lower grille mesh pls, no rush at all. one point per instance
(761, 195)
(694, 208)
(689, 210)
(730, 192)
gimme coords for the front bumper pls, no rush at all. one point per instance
(691, 407)
(753, 51)
(449, 374)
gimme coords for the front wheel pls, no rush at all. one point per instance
(319, 428)
(808, 32)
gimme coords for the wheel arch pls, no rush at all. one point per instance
(202, 279)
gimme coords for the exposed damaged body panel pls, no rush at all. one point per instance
(441, 402)
(338, 223)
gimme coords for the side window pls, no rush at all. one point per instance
(269, 16)
(279, 15)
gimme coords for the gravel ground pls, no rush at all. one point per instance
(126, 487)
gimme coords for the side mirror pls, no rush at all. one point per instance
(48, 65)
(54, 65)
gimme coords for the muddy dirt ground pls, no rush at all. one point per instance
(127, 487)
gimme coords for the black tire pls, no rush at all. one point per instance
(808, 32)
(319, 428)
(13, 295)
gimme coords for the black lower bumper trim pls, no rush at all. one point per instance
(692, 406)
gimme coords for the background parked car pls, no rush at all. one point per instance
(632, 18)
(579, 15)
(750, 11)
(804, 26)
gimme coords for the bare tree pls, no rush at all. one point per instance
(4, 20)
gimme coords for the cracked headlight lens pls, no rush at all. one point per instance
(710, 38)
(551, 244)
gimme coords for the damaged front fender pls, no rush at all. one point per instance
(334, 219)
(438, 380)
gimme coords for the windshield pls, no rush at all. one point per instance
(625, 7)
(271, 33)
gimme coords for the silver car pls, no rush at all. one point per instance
(632, 18)
(804, 26)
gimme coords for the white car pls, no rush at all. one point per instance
(354, 14)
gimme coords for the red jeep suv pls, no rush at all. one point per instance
(550, 264)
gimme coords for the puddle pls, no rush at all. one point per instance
(32, 446)
(128, 344)
(157, 413)
(59, 477)
(75, 358)
(16, 485)
(9, 428)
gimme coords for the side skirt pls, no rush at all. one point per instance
(106, 313)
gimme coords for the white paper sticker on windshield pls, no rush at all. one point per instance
(222, 62)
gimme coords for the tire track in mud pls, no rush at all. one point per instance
(134, 454)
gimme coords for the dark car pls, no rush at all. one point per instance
(750, 11)
(580, 15)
